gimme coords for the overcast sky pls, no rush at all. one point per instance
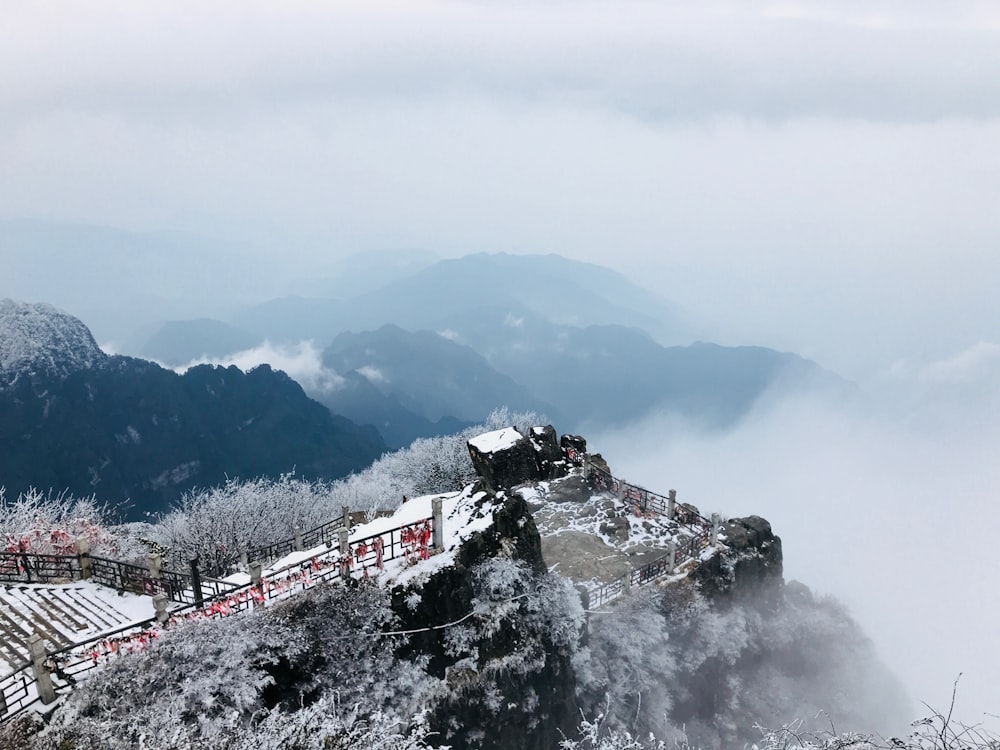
(816, 176)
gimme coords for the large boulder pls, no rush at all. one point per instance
(507, 458)
(749, 567)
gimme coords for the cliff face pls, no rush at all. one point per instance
(509, 672)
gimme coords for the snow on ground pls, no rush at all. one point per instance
(594, 538)
(62, 614)
(464, 513)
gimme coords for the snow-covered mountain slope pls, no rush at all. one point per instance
(39, 339)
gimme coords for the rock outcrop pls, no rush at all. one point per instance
(505, 458)
(750, 565)
(517, 689)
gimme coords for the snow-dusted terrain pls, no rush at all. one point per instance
(39, 338)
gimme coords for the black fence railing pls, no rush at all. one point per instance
(17, 692)
(686, 549)
(323, 534)
(118, 575)
(27, 567)
(643, 501)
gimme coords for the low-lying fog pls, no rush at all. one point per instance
(888, 503)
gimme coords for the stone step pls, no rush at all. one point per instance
(61, 615)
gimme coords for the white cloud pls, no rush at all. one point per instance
(978, 363)
(302, 362)
(894, 516)
(373, 374)
(450, 335)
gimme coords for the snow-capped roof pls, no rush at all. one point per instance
(498, 440)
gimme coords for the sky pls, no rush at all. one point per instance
(821, 177)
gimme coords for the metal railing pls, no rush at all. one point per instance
(646, 501)
(29, 567)
(222, 599)
(667, 564)
(323, 534)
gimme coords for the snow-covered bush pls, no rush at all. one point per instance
(673, 659)
(214, 524)
(51, 523)
(627, 670)
(315, 672)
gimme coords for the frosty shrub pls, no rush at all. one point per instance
(673, 660)
(214, 524)
(50, 523)
(629, 667)
(315, 672)
(504, 417)
(427, 466)
(595, 735)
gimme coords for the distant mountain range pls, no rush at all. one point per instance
(456, 338)
(72, 417)
(416, 345)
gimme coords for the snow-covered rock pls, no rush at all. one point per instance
(38, 339)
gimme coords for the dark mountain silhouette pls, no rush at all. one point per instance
(428, 374)
(363, 403)
(125, 428)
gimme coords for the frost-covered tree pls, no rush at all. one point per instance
(625, 673)
(215, 523)
(51, 523)
(315, 672)
(676, 660)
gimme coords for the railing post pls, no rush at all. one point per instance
(199, 597)
(627, 583)
(438, 523)
(43, 680)
(297, 544)
(244, 559)
(716, 523)
(154, 564)
(345, 551)
(346, 515)
(671, 556)
(83, 554)
(621, 489)
(160, 608)
(256, 568)
(671, 504)
(586, 466)
(343, 535)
